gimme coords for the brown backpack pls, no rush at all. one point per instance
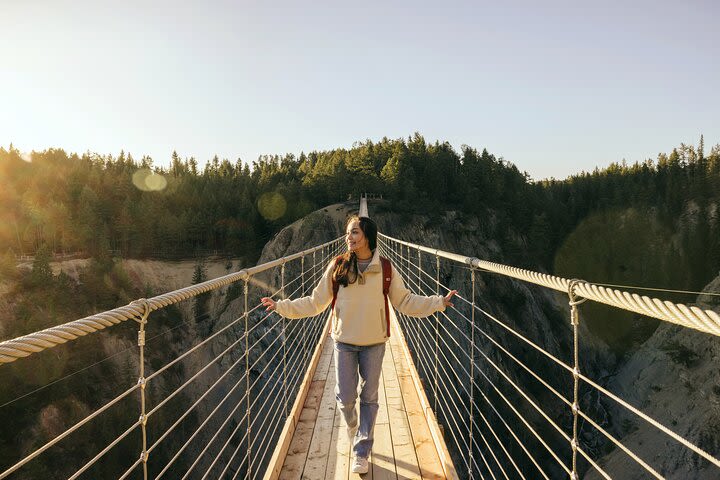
(387, 278)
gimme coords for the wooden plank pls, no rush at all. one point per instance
(382, 416)
(296, 456)
(297, 453)
(406, 462)
(428, 459)
(278, 458)
(338, 466)
(322, 434)
(401, 366)
(383, 459)
(322, 370)
(312, 402)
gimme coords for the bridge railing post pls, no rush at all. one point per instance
(142, 383)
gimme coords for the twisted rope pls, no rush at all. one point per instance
(680, 314)
(11, 350)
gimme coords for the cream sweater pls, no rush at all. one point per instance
(359, 316)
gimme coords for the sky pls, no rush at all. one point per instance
(553, 87)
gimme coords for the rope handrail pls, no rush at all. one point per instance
(706, 321)
(26, 345)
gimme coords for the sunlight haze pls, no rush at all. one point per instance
(554, 88)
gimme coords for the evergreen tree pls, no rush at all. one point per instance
(41, 273)
(200, 307)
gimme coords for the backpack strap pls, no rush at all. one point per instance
(387, 278)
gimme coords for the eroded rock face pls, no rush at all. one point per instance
(673, 377)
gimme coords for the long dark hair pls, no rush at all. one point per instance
(346, 270)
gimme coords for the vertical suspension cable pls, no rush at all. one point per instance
(247, 379)
(407, 263)
(420, 290)
(437, 329)
(301, 339)
(472, 371)
(284, 343)
(575, 321)
(143, 383)
(302, 276)
(306, 343)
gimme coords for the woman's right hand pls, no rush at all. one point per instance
(268, 303)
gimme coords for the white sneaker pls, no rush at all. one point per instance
(351, 433)
(360, 465)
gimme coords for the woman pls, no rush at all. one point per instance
(359, 326)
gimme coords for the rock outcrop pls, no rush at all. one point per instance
(673, 378)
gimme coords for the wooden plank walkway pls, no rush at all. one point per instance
(404, 447)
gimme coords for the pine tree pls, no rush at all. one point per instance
(200, 308)
(41, 273)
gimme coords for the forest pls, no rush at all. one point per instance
(117, 206)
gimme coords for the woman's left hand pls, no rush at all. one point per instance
(447, 299)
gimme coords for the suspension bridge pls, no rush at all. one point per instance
(464, 394)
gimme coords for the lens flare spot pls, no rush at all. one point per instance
(148, 181)
(272, 205)
(155, 182)
(26, 157)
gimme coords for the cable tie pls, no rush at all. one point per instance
(142, 302)
(571, 292)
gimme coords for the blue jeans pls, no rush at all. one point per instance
(367, 361)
